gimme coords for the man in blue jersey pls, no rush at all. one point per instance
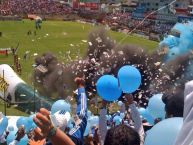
(55, 135)
(77, 133)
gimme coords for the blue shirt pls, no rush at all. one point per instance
(81, 100)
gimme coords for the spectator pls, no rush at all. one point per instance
(122, 135)
(186, 133)
(75, 136)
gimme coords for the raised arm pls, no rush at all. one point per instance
(135, 117)
(83, 103)
(81, 98)
(46, 130)
(103, 123)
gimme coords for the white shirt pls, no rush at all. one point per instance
(138, 125)
(102, 125)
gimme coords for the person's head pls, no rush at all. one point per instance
(122, 135)
(174, 104)
(79, 81)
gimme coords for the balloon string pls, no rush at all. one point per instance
(145, 19)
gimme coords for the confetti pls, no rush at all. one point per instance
(90, 43)
(84, 41)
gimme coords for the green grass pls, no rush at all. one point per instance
(55, 37)
(11, 111)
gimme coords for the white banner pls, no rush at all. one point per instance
(8, 81)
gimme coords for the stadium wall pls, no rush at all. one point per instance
(10, 18)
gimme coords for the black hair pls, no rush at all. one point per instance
(174, 103)
(122, 135)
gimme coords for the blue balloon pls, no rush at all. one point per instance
(117, 120)
(146, 115)
(129, 79)
(60, 105)
(10, 128)
(164, 132)
(108, 117)
(156, 106)
(122, 115)
(31, 123)
(120, 103)
(86, 132)
(3, 124)
(93, 120)
(23, 121)
(89, 113)
(12, 136)
(107, 88)
(24, 140)
(33, 126)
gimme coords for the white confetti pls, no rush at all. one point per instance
(84, 41)
(90, 43)
(93, 60)
(160, 70)
(98, 39)
(120, 52)
(157, 63)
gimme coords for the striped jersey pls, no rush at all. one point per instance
(81, 100)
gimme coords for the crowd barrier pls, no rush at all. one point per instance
(10, 18)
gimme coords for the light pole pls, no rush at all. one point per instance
(5, 109)
(34, 91)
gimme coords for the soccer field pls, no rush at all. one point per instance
(58, 37)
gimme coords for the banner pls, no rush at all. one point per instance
(5, 50)
(19, 92)
(3, 85)
(89, 5)
(30, 16)
(8, 81)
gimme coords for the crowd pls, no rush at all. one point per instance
(124, 127)
(129, 130)
(125, 21)
(44, 7)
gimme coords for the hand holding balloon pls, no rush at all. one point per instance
(43, 122)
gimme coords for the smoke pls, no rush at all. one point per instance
(49, 75)
(104, 56)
